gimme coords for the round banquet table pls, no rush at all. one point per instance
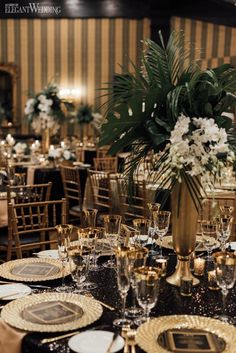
(202, 302)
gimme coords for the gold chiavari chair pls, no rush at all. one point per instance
(21, 194)
(106, 164)
(102, 152)
(133, 199)
(72, 189)
(29, 193)
(33, 224)
(101, 190)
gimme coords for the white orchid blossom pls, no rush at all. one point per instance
(197, 151)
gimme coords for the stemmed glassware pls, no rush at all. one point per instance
(137, 258)
(87, 238)
(225, 267)
(123, 281)
(89, 216)
(209, 236)
(147, 289)
(142, 226)
(153, 210)
(63, 241)
(79, 257)
(224, 227)
(161, 224)
(111, 231)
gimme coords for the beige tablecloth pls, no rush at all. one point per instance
(10, 338)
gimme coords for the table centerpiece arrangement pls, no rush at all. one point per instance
(179, 112)
(46, 112)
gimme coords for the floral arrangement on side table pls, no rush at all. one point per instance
(45, 110)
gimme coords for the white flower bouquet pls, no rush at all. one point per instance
(44, 110)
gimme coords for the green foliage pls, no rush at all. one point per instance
(84, 114)
(143, 106)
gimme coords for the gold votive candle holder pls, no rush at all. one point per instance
(161, 262)
(212, 284)
(186, 285)
(199, 266)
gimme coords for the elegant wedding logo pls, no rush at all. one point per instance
(32, 8)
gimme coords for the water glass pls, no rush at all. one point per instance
(79, 258)
(225, 267)
(112, 225)
(147, 289)
(161, 224)
(209, 236)
(224, 228)
(142, 226)
(63, 241)
(137, 258)
(153, 210)
(123, 282)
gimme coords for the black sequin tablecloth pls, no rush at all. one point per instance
(202, 302)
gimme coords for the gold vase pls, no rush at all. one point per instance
(184, 228)
(46, 140)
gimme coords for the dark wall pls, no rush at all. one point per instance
(215, 11)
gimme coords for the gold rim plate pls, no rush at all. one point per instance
(148, 333)
(167, 243)
(12, 312)
(7, 268)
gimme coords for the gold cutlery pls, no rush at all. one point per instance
(100, 302)
(131, 340)
(57, 338)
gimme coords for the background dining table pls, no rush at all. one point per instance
(203, 301)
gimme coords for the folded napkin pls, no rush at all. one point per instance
(10, 338)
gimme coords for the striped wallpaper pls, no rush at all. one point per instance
(75, 52)
(216, 43)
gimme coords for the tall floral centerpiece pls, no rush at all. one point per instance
(179, 113)
(45, 112)
(85, 115)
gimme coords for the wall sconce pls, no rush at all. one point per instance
(70, 94)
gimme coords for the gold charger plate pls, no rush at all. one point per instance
(167, 243)
(14, 313)
(33, 270)
(149, 332)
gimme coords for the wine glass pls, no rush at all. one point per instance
(63, 241)
(123, 282)
(147, 288)
(97, 238)
(137, 258)
(111, 230)
(142, 226)
(161, 224)
(224, 227)
(79, 257)
(225, 267)
(226, 210)
(209, 236)
(153, 210)
(87, 238)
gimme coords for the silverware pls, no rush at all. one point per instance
(57, 338)
(100, 302)
(114, 337)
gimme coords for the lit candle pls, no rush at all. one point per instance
(62, 144)
(212, 284)
(161, 263)
(199, 266)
